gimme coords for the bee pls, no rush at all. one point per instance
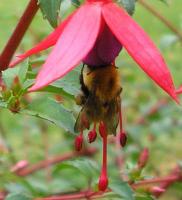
(99, 97)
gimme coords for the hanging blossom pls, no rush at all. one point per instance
(95, 34)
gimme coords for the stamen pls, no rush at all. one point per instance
(92, 135)
(103, 180)
(120, 119)
(122, 137)
(79, 142)
(102, 129)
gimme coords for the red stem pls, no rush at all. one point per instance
(81, 195)
(18, 34)
(155, 181)
(57, 159)
(104, 163)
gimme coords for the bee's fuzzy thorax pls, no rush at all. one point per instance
(103, 82)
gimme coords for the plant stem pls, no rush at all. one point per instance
(165, 21)
(57, 159)
(155, 181)
(88, 194)
(176, 172)
(18, 34)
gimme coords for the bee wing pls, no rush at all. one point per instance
(82, 121)
(113, 116)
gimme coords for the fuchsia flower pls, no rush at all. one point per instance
(95, 34)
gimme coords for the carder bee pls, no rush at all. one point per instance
(100, 97)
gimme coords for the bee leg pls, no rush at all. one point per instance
(80, 99)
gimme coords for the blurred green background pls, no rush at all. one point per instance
(27, 138)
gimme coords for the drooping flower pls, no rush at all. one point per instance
(95, 34)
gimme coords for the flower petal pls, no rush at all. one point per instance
(49, 41)
(76, 41)
(105, 50)
(139, 46)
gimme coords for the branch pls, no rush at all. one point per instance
(18, 34)
(88, 194)
(57, 159)
(162, 183)
(157, 14)
(165, 185)
(153, 181)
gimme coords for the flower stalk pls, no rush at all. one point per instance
(18, 34)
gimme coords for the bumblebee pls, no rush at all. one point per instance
(99, 97)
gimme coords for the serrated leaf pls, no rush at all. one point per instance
(52, 111)
(129, 5)
(50, 10)
(122, 189)
(18, 196)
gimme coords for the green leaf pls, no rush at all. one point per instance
(122, 189)
(76, 3)
(144, 197)
(23, 71)
(84, 165)
(168, 40)
(18, 196)
(50, 10)
(3, 104)
(20, 72)
(69, 83)
(129, 5)
(9, 75)
(52, 111)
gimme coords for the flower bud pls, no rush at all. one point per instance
(123, 139)
(103, 182)
(92, 135)
(78, 142)
(142, 161)
(20, 165)
(157, 190)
